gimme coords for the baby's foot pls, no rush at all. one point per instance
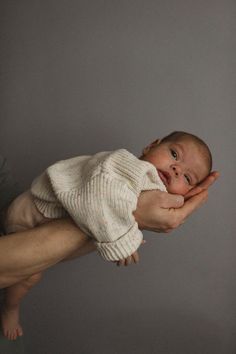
(10, 322)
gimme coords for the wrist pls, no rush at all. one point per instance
(140, 223)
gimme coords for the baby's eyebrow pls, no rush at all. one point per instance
(179, 146)
(195, 175)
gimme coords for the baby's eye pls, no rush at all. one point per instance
(174, 154)
(187, 179)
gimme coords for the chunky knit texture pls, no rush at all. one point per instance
(100, 193)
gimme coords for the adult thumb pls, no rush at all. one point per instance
(173, 201)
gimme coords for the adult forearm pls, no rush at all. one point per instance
(33, 251)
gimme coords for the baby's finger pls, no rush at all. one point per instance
(121, 262)
(128, 261)
(135, 257)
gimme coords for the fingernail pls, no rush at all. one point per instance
(180, 199)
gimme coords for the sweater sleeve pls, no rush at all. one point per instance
(103, 208)
(123, 247)
(100, 193)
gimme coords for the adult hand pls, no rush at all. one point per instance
(209, 180)
(162, 212)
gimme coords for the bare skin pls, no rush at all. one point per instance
(61, 240)
(10, 323)
(10, 313)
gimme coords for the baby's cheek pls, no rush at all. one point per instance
(180, 189)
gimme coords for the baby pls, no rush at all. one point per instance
(100, 194)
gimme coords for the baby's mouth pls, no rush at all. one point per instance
(164, 176)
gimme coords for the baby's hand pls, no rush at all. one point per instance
(134, 258)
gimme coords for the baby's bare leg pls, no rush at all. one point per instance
(14, 294)
(10, 312)
(80, 246)
(38, 249)
(31, 252)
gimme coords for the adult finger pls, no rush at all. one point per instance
(192, 192)
(171, 200)
(191, 205)
(209, 180)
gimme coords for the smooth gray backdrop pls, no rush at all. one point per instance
(79, 77)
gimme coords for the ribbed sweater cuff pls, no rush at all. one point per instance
(123, 247)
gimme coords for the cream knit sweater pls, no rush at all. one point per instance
(100, 193)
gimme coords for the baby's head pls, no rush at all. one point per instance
(182, 160)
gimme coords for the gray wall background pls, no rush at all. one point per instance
(79, 77)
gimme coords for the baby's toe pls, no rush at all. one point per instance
(19, 331)
(15, 334)
(11, 335)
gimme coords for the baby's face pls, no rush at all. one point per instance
(181, 165)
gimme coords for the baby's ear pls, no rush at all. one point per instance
(150, 146)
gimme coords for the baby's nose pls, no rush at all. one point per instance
(176, 170)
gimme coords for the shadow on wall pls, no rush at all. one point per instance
(136, 332)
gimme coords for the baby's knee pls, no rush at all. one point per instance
(32, 280)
